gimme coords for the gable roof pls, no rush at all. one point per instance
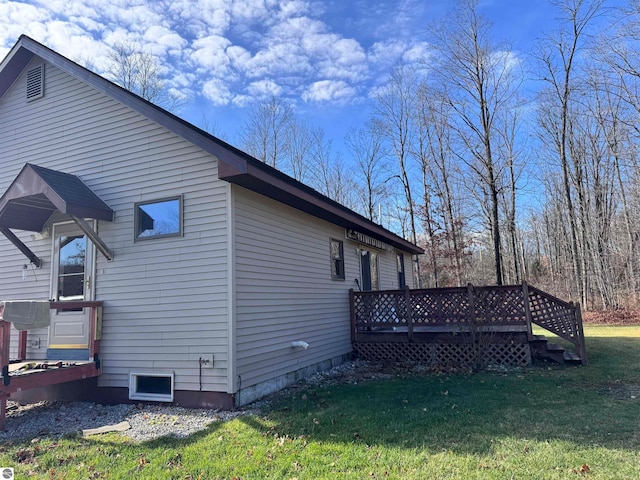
(234, 165)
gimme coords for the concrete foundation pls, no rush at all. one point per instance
(254, 392)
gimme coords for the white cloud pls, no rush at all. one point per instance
(264, 88)
(291, 8)
(345, 59)
(217, 92)
(200, 18)
(137, 18)
(239, 57)
(386, 53)
(232, 51)
(163, 40)
(278, 59)
(242, 100)
(17, 18)
(329, 90)
(209, 52)
(419, 52)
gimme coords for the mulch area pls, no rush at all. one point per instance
(612, 317)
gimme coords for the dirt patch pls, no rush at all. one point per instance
(620, 391)
(612, 317)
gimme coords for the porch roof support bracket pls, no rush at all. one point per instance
(21, 246)
(93, 236)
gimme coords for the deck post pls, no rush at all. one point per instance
(472, 305)
(93, 331)
(5, 337)
(352, 314)
(407, 303)
(583, 346)
(22, 345)
(3, 411)
(527, 309)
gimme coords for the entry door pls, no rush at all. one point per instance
(369, 270)
(72, 280)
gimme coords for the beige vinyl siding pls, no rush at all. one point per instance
(408, 270)
(389, 270)
(284, 290)
(165, 299)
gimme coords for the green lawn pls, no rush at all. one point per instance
(545, 422)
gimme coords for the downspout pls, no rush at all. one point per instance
(232, 384)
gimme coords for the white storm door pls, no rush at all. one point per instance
(72, 279)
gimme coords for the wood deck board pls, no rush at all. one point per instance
(15, 367)
(36, 378)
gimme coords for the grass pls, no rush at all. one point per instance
(545, 422)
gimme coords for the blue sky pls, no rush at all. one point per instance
(326, 57)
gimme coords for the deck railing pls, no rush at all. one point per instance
(47, 377)
(557, 316)
(460, 309)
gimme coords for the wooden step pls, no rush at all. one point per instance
(554, 347)
(572, 357)
(541, 348)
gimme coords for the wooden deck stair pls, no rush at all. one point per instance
(541, 348)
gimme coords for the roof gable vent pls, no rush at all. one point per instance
(35, 83)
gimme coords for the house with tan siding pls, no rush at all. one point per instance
(179, 267)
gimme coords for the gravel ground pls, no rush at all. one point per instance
(58, 419)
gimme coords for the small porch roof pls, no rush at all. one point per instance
(37, 193)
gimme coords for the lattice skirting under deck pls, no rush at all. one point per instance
(513, 354)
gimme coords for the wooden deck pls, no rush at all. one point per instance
(24, 374)
(459, 324)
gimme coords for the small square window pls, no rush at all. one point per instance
(337, 260)
(158, 218)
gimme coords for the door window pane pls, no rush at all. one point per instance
(71, 266)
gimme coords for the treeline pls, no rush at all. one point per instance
(504, 166)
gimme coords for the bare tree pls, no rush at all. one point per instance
(330, 174)
(510, 152)
(366, 147)
(556, 57)
(479, 79)
(394, 113)
(139, 71)
(434, 150)
(264, 133)
(298, 148)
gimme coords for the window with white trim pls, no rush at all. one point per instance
(154, 387)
